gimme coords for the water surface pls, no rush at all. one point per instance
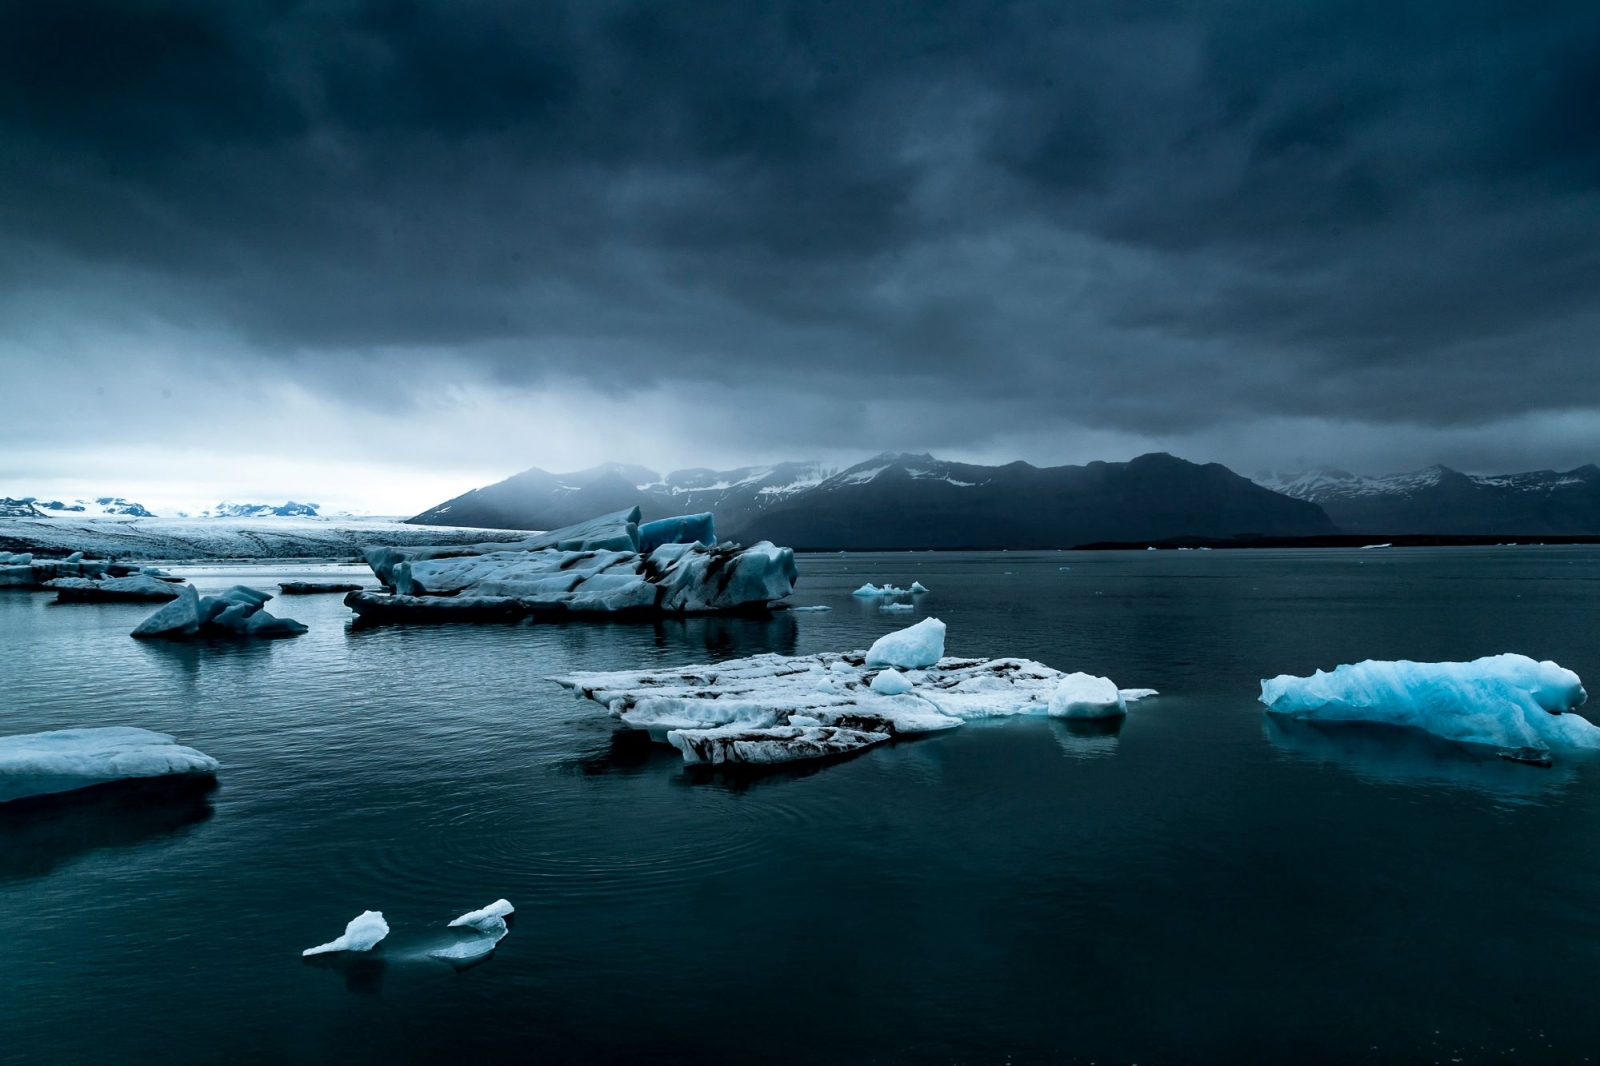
(1199, 886)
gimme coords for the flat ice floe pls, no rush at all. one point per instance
(1507, 701)
(363, 933)
(237, 612)
(773, 708)
(42, 764)
(137, 588)
(607, 565)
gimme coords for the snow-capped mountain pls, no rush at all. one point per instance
(1444, 501)
(260, 510)
(536, 499)
(907, 501)
(99, 507)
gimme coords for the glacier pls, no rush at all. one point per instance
(770, 708)
(61, 760)
(237, 612)
(1506, 701)
(601, 566)
(363, 933)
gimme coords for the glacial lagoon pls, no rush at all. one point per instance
(1195, 882)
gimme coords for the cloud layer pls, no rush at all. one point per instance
(462, 238)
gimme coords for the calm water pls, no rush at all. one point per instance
(1196, 888)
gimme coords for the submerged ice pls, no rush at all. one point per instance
(1508, 701)
(39, 764)
(774, 708)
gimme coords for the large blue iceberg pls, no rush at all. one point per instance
(1507, 701)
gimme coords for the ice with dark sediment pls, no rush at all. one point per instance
(607, 565)
(774, 708)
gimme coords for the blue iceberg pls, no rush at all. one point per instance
(1507, 701)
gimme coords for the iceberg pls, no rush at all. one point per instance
(236, 612)
(608, 571)
(362, 934)
(684, 529)
(40, 764)
(499, 909)
(1507, 701)
(139, 588)
(918, 587)
(1081, 695)
(773, 708)
(909, 649)
(490, 932)
(312, 588)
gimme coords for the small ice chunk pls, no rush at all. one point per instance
(496, 910)
(362, 934)
(1080, 695)
(492, 930)
(897, 607)
(60, 760)
(890, 682)
(913, 648)
(871, 591)
(918, 587)
(817, 607)
(1129, 695)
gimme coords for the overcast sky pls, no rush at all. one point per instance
(374, 254)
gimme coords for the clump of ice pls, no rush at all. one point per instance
(890, 682)
(918, 587)
(490, 931)
(236, 612)
(871, 591)
(496, 910)
(61, 760)
(1509, 701)
(1080, 695)
(919, 646)
(897, 607)
(362, 934)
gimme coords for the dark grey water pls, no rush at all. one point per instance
(1195, 888)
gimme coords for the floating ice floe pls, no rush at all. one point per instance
(489, 926)
(607, 565)
(1080, 695)
(29, 571)
(870, 591)
(1368, 547)
(817, 607)
(236, 612)
(774, 709)
(41, 764)
(312, 588)
(897, 606)
(139, 588)
(1507, 701)
(918, 587)
(362, 934)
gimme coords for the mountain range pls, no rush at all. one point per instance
(1439, 500)
(900, 501)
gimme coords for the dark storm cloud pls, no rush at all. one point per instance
(1115, 213)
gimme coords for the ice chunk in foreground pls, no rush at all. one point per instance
(496, 910)
(1080, 695)
(490, 931)
(40, 764)
(1509, 701)
(236, 612)
(918, 646)
(362, 934)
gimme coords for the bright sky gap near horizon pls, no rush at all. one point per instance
(375, 255)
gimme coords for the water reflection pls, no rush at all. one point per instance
(1087, 738)
(1410, 756)
(40, 834)
(363, 971)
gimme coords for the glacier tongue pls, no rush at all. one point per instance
(1509, 701)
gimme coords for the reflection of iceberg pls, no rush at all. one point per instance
(1088, 738)
(769, 709)
(39, 834)
(1409, 756)
(607, 565)
(1505, 701)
